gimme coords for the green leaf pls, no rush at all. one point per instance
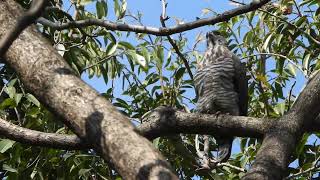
(32, 99)
(85, 2)
(117, 9)
(12, 82)
(279, 39)
(292, 69)
(6, 167)
(111, 48)
(126, 45)
(300, 146)
(102, 9)
(6, 144)
(11, 91)
(123, 8)
(301, 20)
(267, 42)
(279, 108)
(155, 142)
(18, 97)
(179, 73)
(8, 103)
(33, 112)
(243, 143)
(137, 58)
(306, 62)
(84, 172)
(61, 49)
(145, 53)
(168, 59)
(278, 89)
(110, 36)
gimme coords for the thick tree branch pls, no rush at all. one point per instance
(37, 138)
(162, 121)
(91, 116)
(274, 155)
(29, 17)
(152, 30)
(165, 121)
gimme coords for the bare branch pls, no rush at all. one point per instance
(165, 121)
(153, 30)
(231, 167)
(314, 168)
(163, 18)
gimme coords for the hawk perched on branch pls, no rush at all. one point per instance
(221, 85)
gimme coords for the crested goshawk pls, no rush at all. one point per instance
(222, 86)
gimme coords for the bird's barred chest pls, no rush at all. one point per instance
(214, 82)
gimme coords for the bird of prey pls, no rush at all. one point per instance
(221, 86)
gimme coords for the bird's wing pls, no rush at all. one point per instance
(241, 85)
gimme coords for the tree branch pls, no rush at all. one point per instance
(281, 139)
(163, 18)
(165, 121)
(36, 138)
(311, 169)
(29, 17)
(153, 30)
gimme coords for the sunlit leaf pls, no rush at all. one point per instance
(32, 99)
(61, 49)
(102, 9)
(6, 167)
(6, 144)
(85, 2)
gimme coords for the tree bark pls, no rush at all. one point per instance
(280, 141)
(165, 121)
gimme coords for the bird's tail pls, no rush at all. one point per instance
(224, 148)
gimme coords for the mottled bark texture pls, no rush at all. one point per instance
(165, 121)
(92, 118)
(280, 141)
(37, 138)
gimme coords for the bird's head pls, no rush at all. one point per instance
(214, 38)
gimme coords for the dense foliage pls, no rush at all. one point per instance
(279, 43)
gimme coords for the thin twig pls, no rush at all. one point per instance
(197, 146)
(232, 167)
(313, 39)
(315, 167)
(298, 9)
(290, 94)
(100, 61)
(138, 81)
(275, 54)
(163, 18)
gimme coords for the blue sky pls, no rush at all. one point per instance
(151, 10)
